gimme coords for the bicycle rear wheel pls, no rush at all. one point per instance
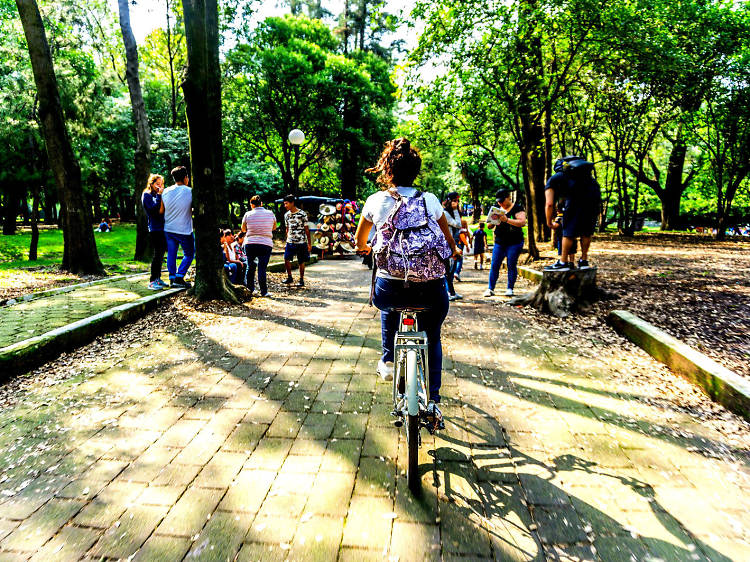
(412, 426)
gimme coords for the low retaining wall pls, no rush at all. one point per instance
(530, 274)
(28, 354)
(722, 385)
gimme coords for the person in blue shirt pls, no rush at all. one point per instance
(151, 200)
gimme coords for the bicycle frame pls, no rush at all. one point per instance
(409, 340)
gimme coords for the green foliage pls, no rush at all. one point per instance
(289, 75)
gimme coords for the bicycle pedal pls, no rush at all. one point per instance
(398, 423)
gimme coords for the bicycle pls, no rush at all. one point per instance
(410, 388)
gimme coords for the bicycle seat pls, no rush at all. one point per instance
(409, 308)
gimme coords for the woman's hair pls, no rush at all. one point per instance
(152, 180)
(399, 164)
(255, 200)
(450, 198)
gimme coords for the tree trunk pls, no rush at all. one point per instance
(674, 185)
(202, 90)
(562, 292)
(143, 248)
(34, 223)
(79, 254)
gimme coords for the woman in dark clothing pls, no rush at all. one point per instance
(508, 241)
(151, 200)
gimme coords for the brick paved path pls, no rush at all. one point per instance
(28, 319)
(262, 434)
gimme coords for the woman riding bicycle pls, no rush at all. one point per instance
(398, 167)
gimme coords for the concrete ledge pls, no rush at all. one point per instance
(28, 354)
(68, 288)
(530, 274)
(721, 384)
(278, 267)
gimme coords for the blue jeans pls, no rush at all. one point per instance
(263, 253)
(391, 293)
(458, 263)
(499, 253)
(187, 243)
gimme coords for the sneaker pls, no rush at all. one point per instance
(269, 294)
(154, 286)
(179, 282)
(452, 297)
(481, 266)
(288, 281)
(300, 285)
(162, 284)
(558, 266)
(435, 416)
(489, 293)
(457, 296)
(476, 266)
(457, 278)
(385, 370)
(583, 263)
(508, 292)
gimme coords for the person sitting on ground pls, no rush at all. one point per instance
(230, 252)
(104, 226)
(480, 245)
(508, 241)
(397, 168)
(233, 269)
(451, 207)
(574, 191)
(177, 206)
(298, 240)
(151, 201)
(258, 224)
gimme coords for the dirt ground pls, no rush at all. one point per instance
(694, 288)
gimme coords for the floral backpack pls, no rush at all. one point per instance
(410, 244)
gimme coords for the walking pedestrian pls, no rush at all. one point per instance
(508, 241)
(298, 240)
(453, 218)
(151, 201)
(177, 206)
(258, 225)
(480, 245)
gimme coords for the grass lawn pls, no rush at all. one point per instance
(115, 250)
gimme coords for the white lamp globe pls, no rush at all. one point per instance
(296, 136)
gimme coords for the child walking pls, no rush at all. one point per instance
(480, 246)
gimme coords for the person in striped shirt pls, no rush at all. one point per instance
(258, 225)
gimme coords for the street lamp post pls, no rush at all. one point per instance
(296, 137)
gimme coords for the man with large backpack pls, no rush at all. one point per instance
(574, 191)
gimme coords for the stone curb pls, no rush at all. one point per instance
(69, 288)
(722, 385)
(27, 354)
(530, 274)
(278, 267)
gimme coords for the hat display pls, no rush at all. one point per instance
(326, 209)
(339, 226)
(322, 242)
(347, 247)
(325, 227)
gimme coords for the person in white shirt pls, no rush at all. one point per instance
(177, 206)
(398, 167)
(258, 225)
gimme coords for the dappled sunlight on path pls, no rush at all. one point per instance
(260, 431)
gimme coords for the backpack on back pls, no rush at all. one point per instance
(410, 244)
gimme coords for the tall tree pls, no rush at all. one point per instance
(79, 248)
(202, 89)
(142, 157)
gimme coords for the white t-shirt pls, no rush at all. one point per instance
(379, 204)
(259, 224)
(178, 209)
